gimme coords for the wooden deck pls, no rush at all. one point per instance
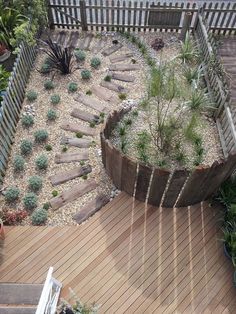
(130, 259)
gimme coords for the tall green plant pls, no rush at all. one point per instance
(188, 52)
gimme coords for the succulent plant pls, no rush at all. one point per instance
(51, 115)
(31, 95)
(41, 162)
(86, 74)
(79, 55)
(40, 136)
(48, 84)
(95, 62)
(39, 217)
(72, 87)
(55, 99)
(18, 163)
(48, 147)
(30, 201)
(35, 183)
(12, 194)
(26, 147)
(54, 193)
(107, 78)
(27, 121)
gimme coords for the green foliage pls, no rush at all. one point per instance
(95, 62)
(89, 92)
(27, 121)
(18, 163)
(45, 68)
(4, 76)
(227, 193)
(123, 144)
(128, 121)
(143, 146)
(122, 96)
(46, 206)
(54, 193)
(48, 84)
(191, 74)
(107, 78)
(40, 136)
(179, 154)
(51, 115)
(41, 162)
(39, 217)
(12, 194)
(26, 147)
(85, 177)
(30, 201)
(31, 95)
(55, 99)
(92, 124)
(79, 55)
(86, 74)
(188, 52)
(122, 130)
(35, 183)
(102, 114)
(135, 113)
(229, 238)
(198, 100)
(79, 135)
(48, 147)
(72, 87)
(64, 149)
(82, 163)
(133, 61)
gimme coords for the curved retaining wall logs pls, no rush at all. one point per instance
(161, 186)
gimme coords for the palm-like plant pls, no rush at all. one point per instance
(188, 51)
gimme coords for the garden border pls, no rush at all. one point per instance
(157, 186)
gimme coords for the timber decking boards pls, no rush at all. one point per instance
(130, 259)
(65, 176)
(91, 102)
(77, 127)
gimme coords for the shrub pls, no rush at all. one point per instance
(45, 68)
(102, 114)
(54, 193)
(135, 113)
(64, 149)
(39, 217)
(46, 206)
(72, 87)
(49, 85)
(48, 147)
(95, 62)
(157, 44)
(191, 74)
(31, 95)
(107, 78)
(122, 96)
(79, 55)
(40, 136)
(85, 177)
(198, 100)
(82, 163)
(18, 163)
(27, 121)
(41, 162)
(14, 217)
(128, 121)
(55, 99)
(26, 147)
(122, 130)
(86, 74)
(188, 52)
(12, 194)
(92, 124)
(79, 134)
(133, 61)
(35, 183)
(89, 92)
(143, 146)
(51, 115)
(30, 201)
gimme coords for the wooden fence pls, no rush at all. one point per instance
(138, 15)
(161, 186)
(11, 104)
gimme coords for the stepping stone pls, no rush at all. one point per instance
(122, 77)
(91, 208)
(120, 58)
(65, 176)
(73, 141)
(83, 115)
(91, 102)
(104, 94)
(75, 127)
(72, 194)
(108, 51)
(113, 86)
(71, 157)
(124, 67)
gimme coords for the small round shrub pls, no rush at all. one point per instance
(35, 183)
(51, 115)
(30, 201)
(54, 193)
(79, 135)
(79, 55)
(27, 121)
(45, 68)
(55, 99)
(85, 176)
(82, 163)
(95, 62)
(41, 162)
(86, 74)
(92, 124)
(48, 147)
(39, 217)
(64, 149)
(107, 78)
(31, 95)
(72, 87)
(40, 136)
(122, 96)
(89, 92)
(18, 163)
(12, 194)
(46, 206)
(48, 84)
(26, 147)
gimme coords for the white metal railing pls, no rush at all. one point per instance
(50, 295)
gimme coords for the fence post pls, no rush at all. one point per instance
(186, 25)
(50, 16)
(83, 15)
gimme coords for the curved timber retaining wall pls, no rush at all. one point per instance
(161, 186)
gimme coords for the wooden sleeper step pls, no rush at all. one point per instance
(115, 87)
(76, 127)
(91, 102)
(72, 194)
(122, 77)
(124, 67)
(85, 116)
(108, 51)
(73, 141)
(120, 58)
(71, 157)
(104, 94)
(65, 176)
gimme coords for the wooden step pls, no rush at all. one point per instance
(122, 77)
(104, 94)
(91, 208)
(76, 127)
(65, 176)
(99, 45)
(115, 87)
(84, 43)
(122, 57)
(73, 39)
(71, 157)
(12, 293)
(72, 194)
(73, 141)
(124, 67)
(91, 102)
(17, 309)
(83, 115)
(108, 51)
